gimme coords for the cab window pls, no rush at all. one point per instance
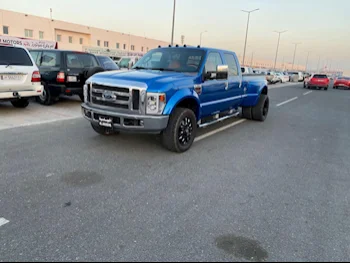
(232, 66)
(213, 61)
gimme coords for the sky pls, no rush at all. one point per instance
(322, 27)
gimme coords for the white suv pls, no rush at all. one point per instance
(19, 76)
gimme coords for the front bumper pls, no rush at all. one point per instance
(11, 95)
(126, 122)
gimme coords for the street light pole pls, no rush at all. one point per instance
(246, 35)
(295, 51)
(200, 39)
(307, 60)
(278, 44)
(251, 63)
(172, 33)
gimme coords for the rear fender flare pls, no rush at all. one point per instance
(180, 96)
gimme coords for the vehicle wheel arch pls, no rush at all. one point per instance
(189, 103)
(184, 98)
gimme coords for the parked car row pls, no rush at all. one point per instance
(46, 74)
(322, 81)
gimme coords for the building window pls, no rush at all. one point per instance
(71, 40)
(5, 30)
(117, 45)
(124, 46)
(106, 44)
(132, 47)
(41, 35)
(98, 43)
(28, 33)
(59, 38)
(81, 41)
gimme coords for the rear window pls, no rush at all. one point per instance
(81, 60)
(50, 59)
(320, 76)
(124, 63)
(107, 63)
(14, 56)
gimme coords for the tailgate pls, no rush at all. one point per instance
(78, 64)
(15, 78)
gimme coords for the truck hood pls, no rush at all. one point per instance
(154, 80)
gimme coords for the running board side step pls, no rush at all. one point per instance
(218, 120)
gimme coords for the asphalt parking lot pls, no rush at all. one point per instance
(272, 191)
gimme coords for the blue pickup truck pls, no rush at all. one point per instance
(173, 91)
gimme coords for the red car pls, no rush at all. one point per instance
(319, 81)
(343, 82)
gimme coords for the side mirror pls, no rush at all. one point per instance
(222, 72)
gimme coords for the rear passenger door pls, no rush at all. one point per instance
(234, 90)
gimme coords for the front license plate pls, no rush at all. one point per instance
(105, 122)
(72, 79)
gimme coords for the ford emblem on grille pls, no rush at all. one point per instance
(108, 95)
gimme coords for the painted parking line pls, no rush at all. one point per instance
(40, 122)
(202, 137)
(306, 93)
(287, 101)
(3, 221)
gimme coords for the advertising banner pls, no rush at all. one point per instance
(28, 43)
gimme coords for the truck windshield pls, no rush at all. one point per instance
(172, 59)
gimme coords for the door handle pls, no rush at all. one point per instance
(226, 85)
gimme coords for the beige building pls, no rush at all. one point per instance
(71, 36)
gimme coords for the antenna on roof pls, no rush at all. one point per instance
(185, 45)
(169, 45)
(159, 46)
(199, 46)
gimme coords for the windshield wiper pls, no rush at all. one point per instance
(140, 68)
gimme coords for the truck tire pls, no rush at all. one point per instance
(181, 130)
(103, 130)
(261, 110)
(247, 113)
(21, 103)
(46, 97)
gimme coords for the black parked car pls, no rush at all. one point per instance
(107, 63)
(64, 72)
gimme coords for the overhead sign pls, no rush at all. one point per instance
(28, 43)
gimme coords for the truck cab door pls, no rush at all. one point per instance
(213, 90)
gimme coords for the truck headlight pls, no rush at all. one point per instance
(155, 103)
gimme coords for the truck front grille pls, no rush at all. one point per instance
(116, 97)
